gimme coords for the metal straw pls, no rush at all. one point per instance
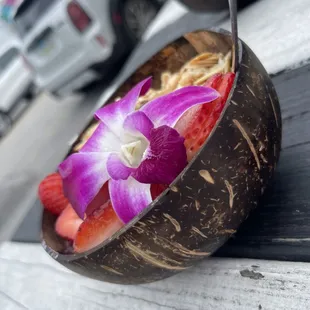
(234, 33)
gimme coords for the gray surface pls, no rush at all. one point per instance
(11, 216)
(29, 230)
(30, 279)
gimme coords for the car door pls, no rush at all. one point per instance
(14, 78)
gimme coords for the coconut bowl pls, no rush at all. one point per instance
(213, 195)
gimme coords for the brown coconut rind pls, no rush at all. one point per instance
(214, 194)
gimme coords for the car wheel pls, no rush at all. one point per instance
(5, 123)
(29, 96)
(55, 95)
(137, 15)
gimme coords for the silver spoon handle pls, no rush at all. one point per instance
(234, 33)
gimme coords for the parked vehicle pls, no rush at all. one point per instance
(212, 5)
(69, 44)
(15, 77)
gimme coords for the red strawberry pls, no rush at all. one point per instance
(101, 198)
(96, 228)
(68, 223)
(197, 123)
(157, 189)
(51, 194)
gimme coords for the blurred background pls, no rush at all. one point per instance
(58, 61)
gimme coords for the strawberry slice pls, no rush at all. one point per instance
(101, 198)
(51, 194)
(157, 189)
(197, 123)
(68, 223)
(97, 227)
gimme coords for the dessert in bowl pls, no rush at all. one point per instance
(197, 147)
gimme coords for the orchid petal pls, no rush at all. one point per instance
(83, 175)
(117, 169)
(165, 158)
(167, 109)
(138, 122)
(114, 114)
(129, 197)
(102, 140)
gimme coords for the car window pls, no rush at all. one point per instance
(7, 58)
(28, 13)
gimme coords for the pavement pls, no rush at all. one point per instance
(42, 136)
(37, 143)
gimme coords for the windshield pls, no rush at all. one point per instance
(28, 13)
(7, 58)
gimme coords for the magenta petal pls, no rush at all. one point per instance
(165, 158)
(117, 169)
(138, 122)
(102, 140)
(129, 197)
(83, 175)
(114, 114)
(167, 110)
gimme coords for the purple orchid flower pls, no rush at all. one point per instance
(131, 150)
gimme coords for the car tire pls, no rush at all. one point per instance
(55, 95)
(5, 123)
(29, 96)
(137, 15)
(88, 88)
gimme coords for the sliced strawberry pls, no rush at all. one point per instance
(68, 223)
(157, 189)
(102, 197)
(215, 80)
(197, 123)
(51, 194)
(96, 228)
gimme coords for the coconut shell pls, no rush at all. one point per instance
(214, 194)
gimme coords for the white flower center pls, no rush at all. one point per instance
(133, 152)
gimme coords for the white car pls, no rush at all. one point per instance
(15, 78)
(71, 43)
